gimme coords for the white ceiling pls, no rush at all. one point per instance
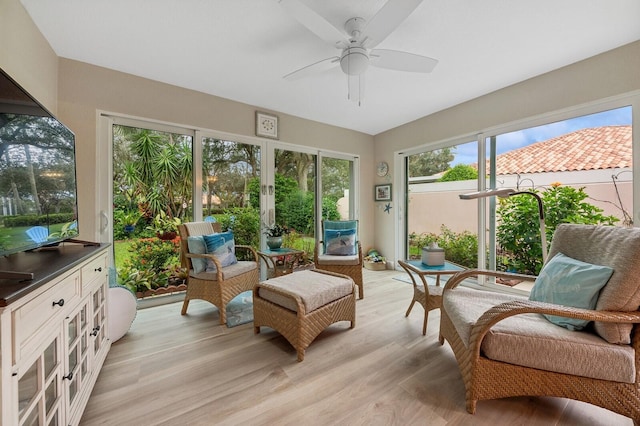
(240, 49)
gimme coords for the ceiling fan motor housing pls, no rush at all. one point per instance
(354, 60)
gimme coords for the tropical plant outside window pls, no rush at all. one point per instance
(152, 175)
(580, 167)
(153, 193)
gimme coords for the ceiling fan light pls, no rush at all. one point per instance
(354, 60)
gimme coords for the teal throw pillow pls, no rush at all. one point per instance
(570, 282)
(340, 242)
(222, 245)
(196, 246)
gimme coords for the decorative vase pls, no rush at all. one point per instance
(274, 242)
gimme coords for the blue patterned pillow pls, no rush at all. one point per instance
(223, 246)
(570, 282)
(340, 242)
(196, 246)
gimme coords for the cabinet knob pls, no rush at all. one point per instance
(68, 376)
(95, 331)
(59, 303)
(98, 269)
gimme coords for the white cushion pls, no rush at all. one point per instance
(327, 259)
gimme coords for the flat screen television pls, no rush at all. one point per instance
(38, 194)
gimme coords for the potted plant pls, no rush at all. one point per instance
(165, 227)
(129, 219)
(274, 235)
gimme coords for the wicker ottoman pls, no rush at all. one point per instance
(301, 305)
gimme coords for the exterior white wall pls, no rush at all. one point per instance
(434, 204)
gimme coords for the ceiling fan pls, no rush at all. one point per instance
(357, 45)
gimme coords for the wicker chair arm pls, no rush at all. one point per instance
(463, 275)
(517, 307)
(297, 299)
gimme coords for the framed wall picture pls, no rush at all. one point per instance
(383, 192)
(266, 125)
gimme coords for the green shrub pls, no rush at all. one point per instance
(151, 263)
(34, 220)
(459, 172)
(244, 223)
(459, 247)
(518, 232)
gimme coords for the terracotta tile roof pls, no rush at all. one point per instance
(606, 147)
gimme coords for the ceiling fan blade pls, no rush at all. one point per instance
(388, 18)
(315, 68)
(401, 61)
(314, 22)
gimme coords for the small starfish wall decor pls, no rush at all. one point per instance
(387, 208)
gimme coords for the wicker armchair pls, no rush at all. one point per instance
(504, 347)
(221, 286)
(351, 264)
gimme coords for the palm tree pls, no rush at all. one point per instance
(153, 170)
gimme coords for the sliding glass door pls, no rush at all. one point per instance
(579, 165)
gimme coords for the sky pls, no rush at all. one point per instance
(467, 153)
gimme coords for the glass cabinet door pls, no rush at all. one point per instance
(39, 388)
(77, 328)
(99, 332)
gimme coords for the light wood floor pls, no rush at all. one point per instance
(188, 370)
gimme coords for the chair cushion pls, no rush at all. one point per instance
(315, 289)
(340, 242)
(196, 246)
(570, 282)
(618, 248)
(532, 341)
(230, 271)
(223, 246)
(328, 259)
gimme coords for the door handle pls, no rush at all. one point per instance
(104, 221)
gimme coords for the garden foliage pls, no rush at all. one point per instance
(459, 247)
(518, 232)
(151, 264)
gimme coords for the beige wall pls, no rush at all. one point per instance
(26, 56)
(85, 89)
(611, 73)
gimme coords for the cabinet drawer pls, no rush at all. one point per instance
(96, 267)
(44, 310)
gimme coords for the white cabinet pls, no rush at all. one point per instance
(38, 387)
(53, 340)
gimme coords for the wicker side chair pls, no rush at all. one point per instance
(505, 347)
(221, 286)
(350, 265)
